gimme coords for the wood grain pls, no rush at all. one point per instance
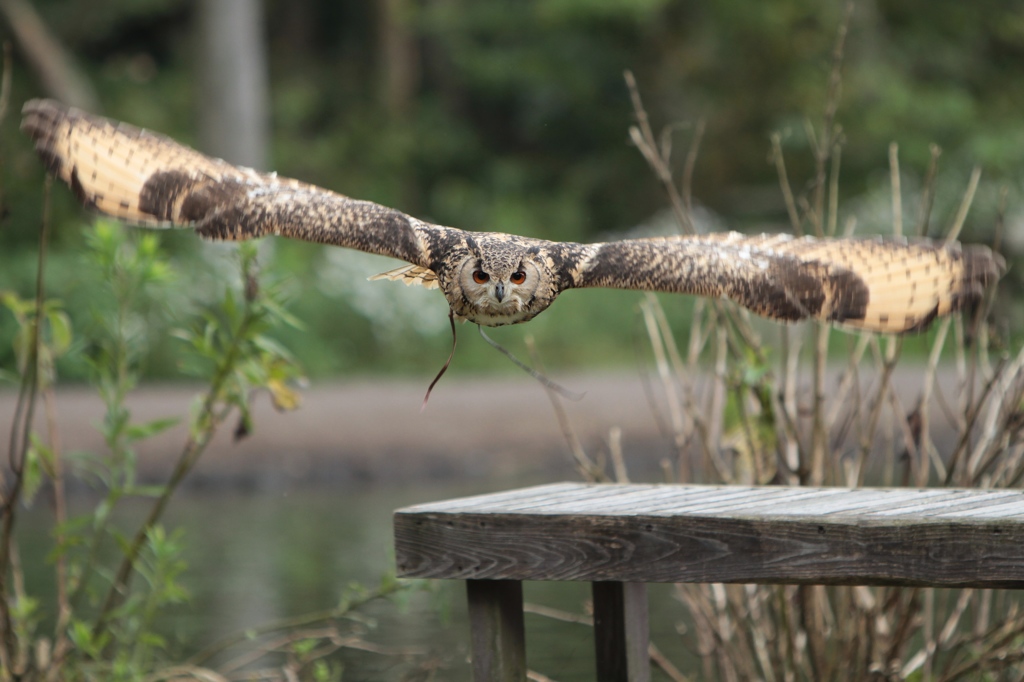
(667, 533)
(497, 630)
(621, 632)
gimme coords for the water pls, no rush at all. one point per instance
(261, 556)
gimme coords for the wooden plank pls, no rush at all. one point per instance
(495, 500)
(621, 637)
(498, 635)
(575, 498)
(1004, 510)
(948, 505)
(724, 534)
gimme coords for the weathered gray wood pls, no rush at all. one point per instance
(497, 632)
(671, 533)
(621, 636)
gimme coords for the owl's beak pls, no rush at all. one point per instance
(499, 291)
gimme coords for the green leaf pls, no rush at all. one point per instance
(304, 646)
(137, 432)
(152, 639)
(325, 672)
(24, 608)
(124, 543)
(32, 472)
(82, 637)
(60, 332)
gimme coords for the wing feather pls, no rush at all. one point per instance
(884, 285)
(149, 179)
(410, 275)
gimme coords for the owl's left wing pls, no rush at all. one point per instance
(884, 285)
(149, 179)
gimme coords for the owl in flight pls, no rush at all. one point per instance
(495, 279)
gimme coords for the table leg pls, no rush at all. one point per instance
(621, 636)
(498, 634)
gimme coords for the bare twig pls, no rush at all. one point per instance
(20, 437)
(787, 191)
(587, 468)
(62, 643)
(677, 415)
(973, 413)
(787, 408)
(813, 472)
(829, 132)
(684, 373)
(54, 65)
(643, 138)
(661, 660)
(656, 656)
(965, 205)
(928, 192)
(615, 450)
(833, 191)
(558, 614)
(285, 624)
(186, 672)
(926, 448)
(894, 181)
(686, 185)
(884, 387)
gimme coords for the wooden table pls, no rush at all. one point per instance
(621, 536)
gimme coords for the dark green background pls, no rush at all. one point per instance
(516, 118)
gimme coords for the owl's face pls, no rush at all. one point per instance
(499, 289)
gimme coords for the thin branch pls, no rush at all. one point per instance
(20, 437)
(347, 606)
(833, 191)
(691, 162)
(926, 447)
(965, 205)
(897, 198)
(928, 192)
(787, 191)
(42, 50)
(828, 128)
(62, 643)
(545, 381)
(643, 138)
(209, 420)
(816, 474)
(615, 451)
(588, 469)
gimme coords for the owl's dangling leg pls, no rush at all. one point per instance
(455, 339)
(548, 383)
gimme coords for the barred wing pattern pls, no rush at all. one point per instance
(884, 285)
(149, 179)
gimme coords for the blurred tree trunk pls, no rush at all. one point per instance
(398, 60)
(54, 66)
(233, 109)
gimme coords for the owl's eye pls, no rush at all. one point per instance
(480, 277)
(517, 277)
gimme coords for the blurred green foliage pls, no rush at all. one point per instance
(513, 116)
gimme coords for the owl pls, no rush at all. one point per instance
(494, 279)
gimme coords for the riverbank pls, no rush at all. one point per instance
(371, 431)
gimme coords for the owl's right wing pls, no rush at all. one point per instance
(149, 179)
(883, 285)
